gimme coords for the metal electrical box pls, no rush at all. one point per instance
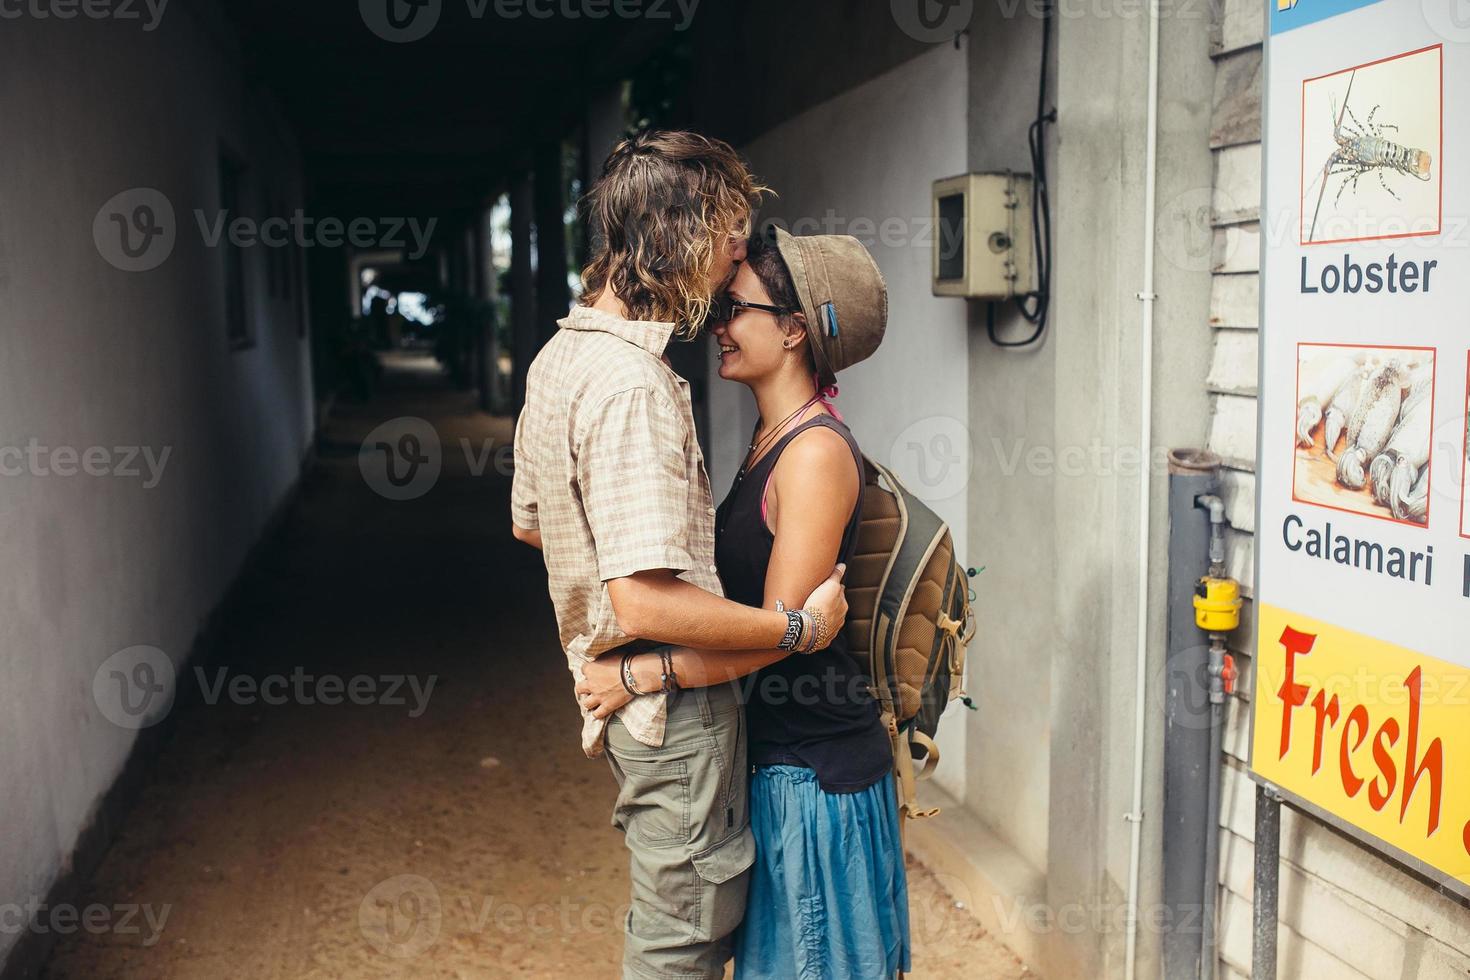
(982, 236)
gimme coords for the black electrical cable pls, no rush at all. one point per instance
(1035, 306)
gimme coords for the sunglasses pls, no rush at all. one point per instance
(723, 309)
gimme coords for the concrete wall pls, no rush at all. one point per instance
(1100, 240)
(92, 356)
(1012, 532)
(852, 165)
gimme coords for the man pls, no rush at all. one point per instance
(610, 484)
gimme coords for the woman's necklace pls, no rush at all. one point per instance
(757, 445)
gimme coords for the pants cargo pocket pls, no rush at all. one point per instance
(724, 882)
(654, 802)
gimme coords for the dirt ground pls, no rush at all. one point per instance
(467, 839)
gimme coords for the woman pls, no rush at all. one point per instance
(828, 896)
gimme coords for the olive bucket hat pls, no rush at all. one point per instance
(842, 294)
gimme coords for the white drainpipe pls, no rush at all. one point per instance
(1145, 486)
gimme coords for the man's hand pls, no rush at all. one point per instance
(601, 690)
(830, 599)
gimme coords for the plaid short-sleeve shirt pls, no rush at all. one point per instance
(608, 468)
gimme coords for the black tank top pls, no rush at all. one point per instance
(812, 710)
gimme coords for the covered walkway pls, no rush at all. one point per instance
(441, 822)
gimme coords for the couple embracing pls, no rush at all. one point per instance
(755, 778)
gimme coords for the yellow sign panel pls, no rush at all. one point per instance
(1370, 732)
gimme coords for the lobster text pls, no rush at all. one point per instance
(1392, 276)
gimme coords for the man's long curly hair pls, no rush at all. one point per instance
(663, 205)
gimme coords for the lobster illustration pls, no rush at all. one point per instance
(1363, 148)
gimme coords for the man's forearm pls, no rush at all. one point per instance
(667, 609)
(702, 668)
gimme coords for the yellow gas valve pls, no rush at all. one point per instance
(1217, 604)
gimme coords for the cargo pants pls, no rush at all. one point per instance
(684, 814)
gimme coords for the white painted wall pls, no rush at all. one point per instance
(94, 356)
(848, 166)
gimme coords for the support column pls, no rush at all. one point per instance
(486, 353)
(552, 295)
(522, 284)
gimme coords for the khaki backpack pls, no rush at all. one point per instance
(909, 612)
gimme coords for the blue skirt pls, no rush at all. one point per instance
(828, 895)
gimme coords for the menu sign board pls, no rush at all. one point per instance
(1361, 700)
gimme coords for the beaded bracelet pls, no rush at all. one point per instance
(812, 636)
(819, 629)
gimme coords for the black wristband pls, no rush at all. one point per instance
(793, 631)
